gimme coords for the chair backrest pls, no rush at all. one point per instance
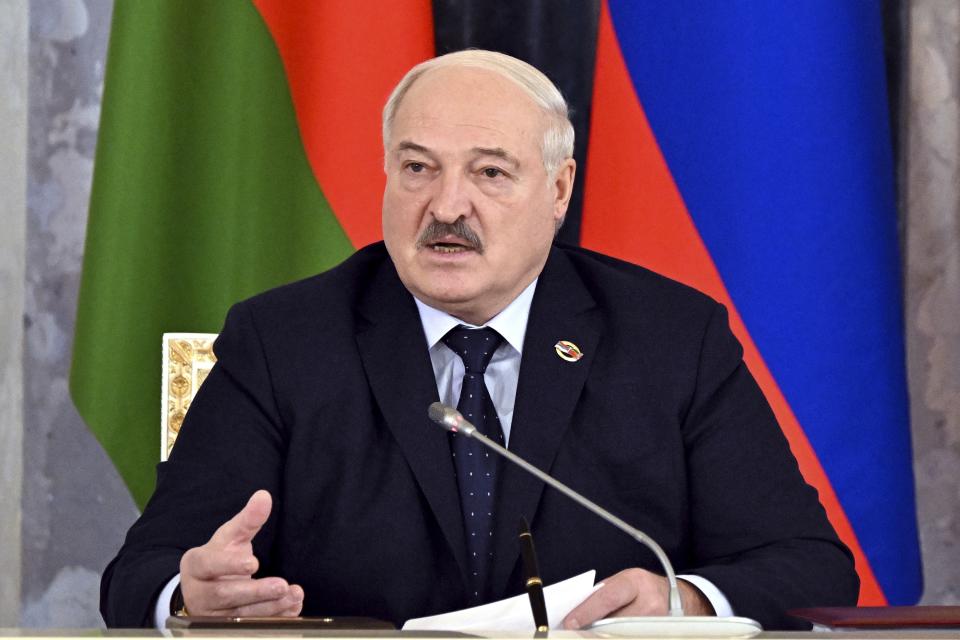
(187, 359)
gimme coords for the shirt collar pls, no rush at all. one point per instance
(511, 323)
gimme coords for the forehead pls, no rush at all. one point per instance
(456, 106)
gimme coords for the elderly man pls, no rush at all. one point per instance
(307, 477)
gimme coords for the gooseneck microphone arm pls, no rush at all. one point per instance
(451, 420)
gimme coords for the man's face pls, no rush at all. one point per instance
(469, 212)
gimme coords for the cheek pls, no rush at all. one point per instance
(540, 223)
(503, 190)
(400, 211)
(412, 183)
(395, 224)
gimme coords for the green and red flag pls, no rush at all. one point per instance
(238, 149)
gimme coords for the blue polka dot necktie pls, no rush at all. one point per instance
(475, 466)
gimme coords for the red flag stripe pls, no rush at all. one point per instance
(342, 59)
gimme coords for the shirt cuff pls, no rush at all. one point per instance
(162, 611)
(721, 606)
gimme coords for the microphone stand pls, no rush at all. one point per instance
(451, 420)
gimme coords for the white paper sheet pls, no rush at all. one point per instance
(512, 614)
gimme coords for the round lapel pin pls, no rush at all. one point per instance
(568, 351)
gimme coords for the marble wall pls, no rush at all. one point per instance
(13, 180)
(932, 182)
(75, 509)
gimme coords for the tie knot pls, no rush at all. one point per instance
(474, 346)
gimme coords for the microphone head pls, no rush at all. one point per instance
(444, 416)
(451, 419)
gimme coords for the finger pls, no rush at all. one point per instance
(296, 591)
(289, 605)
(297, 595)
(210, 562)
(242, 527)
(221, 595)
(617, 592)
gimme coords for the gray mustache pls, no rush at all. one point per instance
(460, 229)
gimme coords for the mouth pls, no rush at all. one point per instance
(450, 247)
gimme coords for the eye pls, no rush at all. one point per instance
(492, 172)
(416, 167)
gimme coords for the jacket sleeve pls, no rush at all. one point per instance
(759, 532)
(230, 445)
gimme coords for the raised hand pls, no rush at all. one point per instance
(216, 579)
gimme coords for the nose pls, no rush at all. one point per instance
(451, 200)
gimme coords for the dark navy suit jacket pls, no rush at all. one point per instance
(320, 395)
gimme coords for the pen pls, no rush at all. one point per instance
(533, 583)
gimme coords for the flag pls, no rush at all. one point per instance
(744, 148)
(238, 149)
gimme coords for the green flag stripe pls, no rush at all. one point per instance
(202, 196)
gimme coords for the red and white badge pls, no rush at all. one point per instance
(568, 351)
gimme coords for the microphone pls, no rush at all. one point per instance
(451, 420)
(674, 625)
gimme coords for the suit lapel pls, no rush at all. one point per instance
(397, 364)
(547, 394)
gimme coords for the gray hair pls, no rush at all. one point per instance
(557, 143)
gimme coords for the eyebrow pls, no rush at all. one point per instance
(406, 145)
(496, 152)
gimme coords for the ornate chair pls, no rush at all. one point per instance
(187, 359)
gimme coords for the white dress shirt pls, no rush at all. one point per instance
(503, 370)
(501, 377)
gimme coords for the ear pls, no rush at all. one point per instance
(563, 187)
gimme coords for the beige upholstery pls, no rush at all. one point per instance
(187, 359)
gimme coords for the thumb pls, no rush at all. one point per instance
(242, 527)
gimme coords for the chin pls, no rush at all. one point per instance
(452, 300)
(449, 298)
(447, 285)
